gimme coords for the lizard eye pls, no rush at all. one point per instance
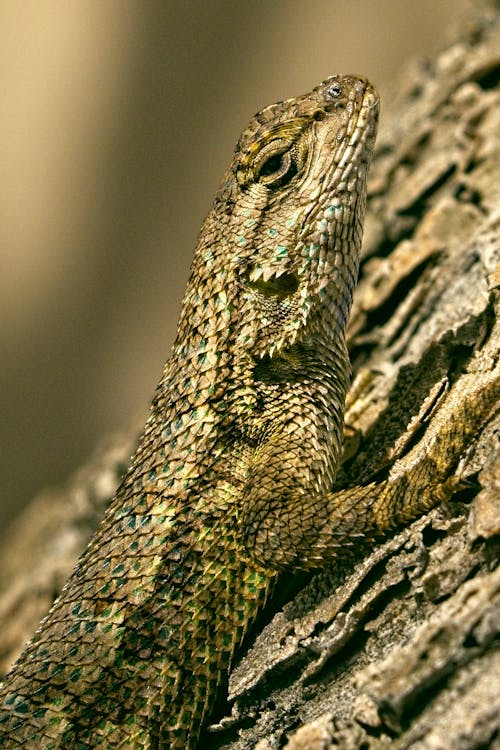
(276, 169)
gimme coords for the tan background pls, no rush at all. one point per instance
(117, 121)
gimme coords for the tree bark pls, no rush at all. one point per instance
(399, 649)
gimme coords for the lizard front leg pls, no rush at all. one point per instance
(303, 530)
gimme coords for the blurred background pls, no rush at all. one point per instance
(118, 120)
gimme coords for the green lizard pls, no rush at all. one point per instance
(231, 481)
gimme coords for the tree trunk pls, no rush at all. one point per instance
(399, 649)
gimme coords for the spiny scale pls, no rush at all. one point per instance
(245, 425)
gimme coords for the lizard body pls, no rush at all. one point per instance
(231, 481)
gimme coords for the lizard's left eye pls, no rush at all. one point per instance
(277, 169)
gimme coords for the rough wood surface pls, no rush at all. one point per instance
(400, 650)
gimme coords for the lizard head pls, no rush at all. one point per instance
(278, 254)
(298, 180)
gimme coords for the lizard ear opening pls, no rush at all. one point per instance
(276, 286)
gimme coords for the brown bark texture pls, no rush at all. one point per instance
(400, 649)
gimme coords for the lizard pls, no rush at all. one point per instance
(231, 481)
